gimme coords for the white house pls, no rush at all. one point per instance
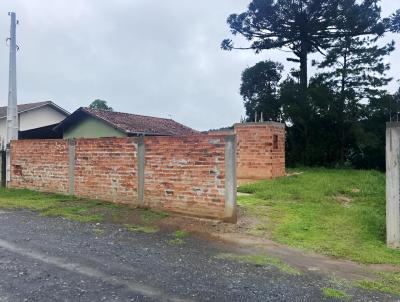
(36, 120)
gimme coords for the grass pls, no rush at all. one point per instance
(80, 209)
(340, 213)
(179, 237)
(334, 293)
(261, 260)
(387, 283)
(142, 229)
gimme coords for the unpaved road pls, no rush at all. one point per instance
(53, 259)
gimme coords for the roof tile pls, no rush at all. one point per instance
(138, 124)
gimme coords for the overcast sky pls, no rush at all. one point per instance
(151, 57)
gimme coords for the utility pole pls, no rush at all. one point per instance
(12, 109)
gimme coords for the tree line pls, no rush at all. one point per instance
(337, 115)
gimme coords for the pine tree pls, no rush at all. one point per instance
(259, 90)
(355, 69)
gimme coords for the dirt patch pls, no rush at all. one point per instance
(245, 243)
(343, 199)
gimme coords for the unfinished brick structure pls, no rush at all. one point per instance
(193, 175)
(260, 150)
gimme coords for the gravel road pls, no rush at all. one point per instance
(54, 259)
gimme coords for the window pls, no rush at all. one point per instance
(275, 142)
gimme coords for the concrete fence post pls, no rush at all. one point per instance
(141, 154)
(8, 163)
(392, 184)
(230, 214)
(71, 166)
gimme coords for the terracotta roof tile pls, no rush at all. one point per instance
(140, 124)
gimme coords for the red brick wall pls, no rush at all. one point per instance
(40, 165)
(106, 168)
(256, 156)
(186, 174)
(182, 174)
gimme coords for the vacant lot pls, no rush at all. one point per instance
(339, 213)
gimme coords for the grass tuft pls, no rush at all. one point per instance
(142, 229)
(386, 283)
(179, 236)
(79, 209)
(334, 293)
(261, 260)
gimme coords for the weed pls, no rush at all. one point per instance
(98, 232)
(179, 237)
(387, 283)
(181, 234)
(142, 229)
(334, 293)
(261, 260)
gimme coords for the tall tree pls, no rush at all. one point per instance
(302, 26)
(394, 22)
(355, 69)
(100, 104)
(259, 90)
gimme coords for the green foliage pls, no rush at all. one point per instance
(181, 234)
(334, 293)
(78, 209)
(261, 260)
(387, 283)
(326, 119)
(101, 105)
(259, 90)
(340, 213)
(179, 237)
(142, 229)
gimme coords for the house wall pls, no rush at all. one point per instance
(256, 156)
(32, 119)
(40, 117)
(191, 175)
(89, 127)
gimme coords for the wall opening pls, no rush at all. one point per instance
(275, 142)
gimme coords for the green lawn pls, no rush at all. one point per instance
(340, 213)
(80, 209)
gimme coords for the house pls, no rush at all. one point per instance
(95, 123)
(36, 120)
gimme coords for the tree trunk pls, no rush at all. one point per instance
(304, 70)
(342, 109)
(303, 96)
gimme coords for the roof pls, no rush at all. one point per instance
(131, 124)
(31, 106)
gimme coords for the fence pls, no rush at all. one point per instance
(194, 175)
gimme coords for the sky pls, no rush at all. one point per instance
(151, 57)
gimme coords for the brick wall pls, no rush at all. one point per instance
(106, 169)
(260, 150)
(40, 165)
(186, 174)
(180, 174)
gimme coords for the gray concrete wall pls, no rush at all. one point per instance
(392, 184)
